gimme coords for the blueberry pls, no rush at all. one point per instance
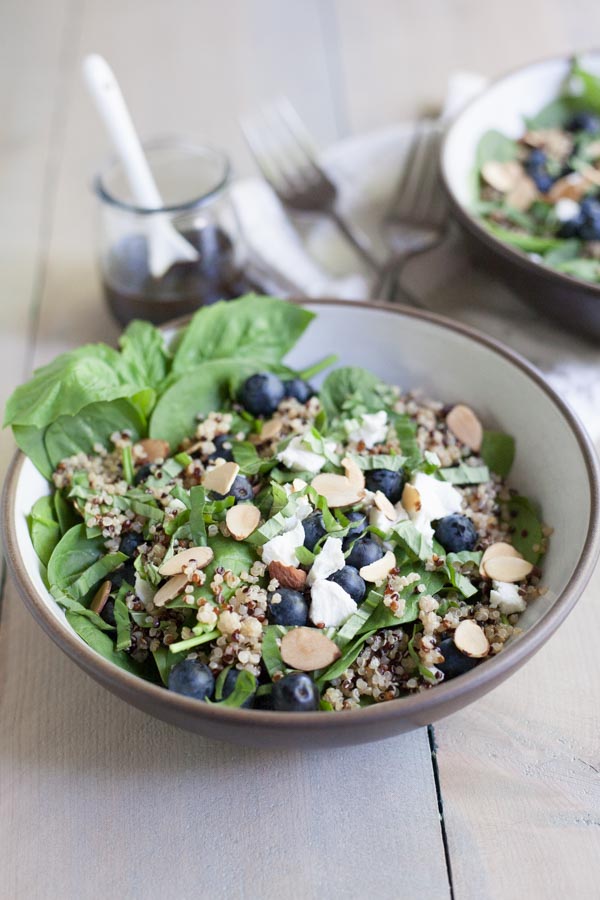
(536, 159)
(388, 482)
(364, 552)
(261, 394)
(536, 167)
(361, 523)
(130, 542)
(241, 490)
(589, 228)
(584, 121)
(192, 679)
(229, 687)
(455, 663)
(298, 389)
(295, 693)
(349, 579)
(223, 447)
(142, 473)
(108, 612)
(571, 227)
(263, 701)
(124, 574)
(314, 530)
(543, 181)
(292, 609)
(456, 533)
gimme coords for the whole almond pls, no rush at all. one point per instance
(170, 589)
(464, 424)
(221, 477)
(242, 519)
(288, 576)
(200, 557)
(471, 640)
(153, 449)
(308, 649)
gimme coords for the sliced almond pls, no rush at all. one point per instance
(470, 639)
(411, 499)
(100, 597)
(380, 569)
(500, 548)
(464, 424)
(153, 449)
(590, 172)
(170, 589)
(242, 519)
(508, 568)
(197, 556)
(308, 649)
(354, 473)
(570, 187)
(502, 176)
(288, 576)
(271, 430)
(221, 478)
(383, 505)
(523, 194)
(337, 490)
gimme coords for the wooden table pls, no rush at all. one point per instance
(98, 800)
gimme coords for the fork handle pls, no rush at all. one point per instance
(359, 243)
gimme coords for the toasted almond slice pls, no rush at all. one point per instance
(411, 499)
(288, 576)
(591, 173)
(242, 519)
(298, 484)
(308, 649)
(170, 589)
(221, 478)
(522, 195)
(502, 176)
(464, 424)
(153, 449)
(508, 568)
(337, 490)
(380, 569)
(100, 597)
(500, 548)
(354, 473)
(383, 504)
(570, 187)
(197, 556)
(271, 430)
(470, 639)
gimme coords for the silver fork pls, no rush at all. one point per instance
(417, 216)
(287, 158)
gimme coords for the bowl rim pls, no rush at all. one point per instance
(422, 705)
(473, 223)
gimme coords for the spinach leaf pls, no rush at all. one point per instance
(570, 249)
(122, 619)
(530, 243)
(237, 556)
(44, 528)
(198, 392)
(30, 440)
(92, 425)
(380, 461)
(250, 463)
(271, 654)
(165, 662)
(75, 606)
(348, 388)
(588, 269)
(78, 563)
(406, 429)
(263, 328)
(589, 97)
(553, 115)
(525, 527)
(464, 474)
(65, 514)
(144, 358)
(100, 642)
(498, 452)
(337, 668)
(412, 541)
(495, 146)
(245, 687)
(197, 524)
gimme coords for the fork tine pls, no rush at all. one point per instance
(409, 179)
(252, 134)
(285, 147)
(297, 130)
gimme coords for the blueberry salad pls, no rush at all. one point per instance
(541, 192)
(219, 526)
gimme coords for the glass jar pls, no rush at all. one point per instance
(193, 183)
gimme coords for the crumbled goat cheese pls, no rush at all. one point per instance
(298, 459)
(566, 209)
(330, 560)
(371, 429)
(282, 548)
(330, 604)
(379, 519)
(505, 596)
(438, 499)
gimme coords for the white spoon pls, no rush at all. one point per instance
(166, 246)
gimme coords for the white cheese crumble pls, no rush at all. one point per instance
(282, 548)
(330, 604)
(505, 596)
(379, 519)
(566, 209)
(371, 429)
(438, 499)
(298, 459)
(330, 560)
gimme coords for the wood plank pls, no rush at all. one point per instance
(117, 801)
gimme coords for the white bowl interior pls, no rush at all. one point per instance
(549, 467)
(503, 107)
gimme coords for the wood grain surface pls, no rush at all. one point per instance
(97, 799)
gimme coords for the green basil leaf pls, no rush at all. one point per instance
(44, 528)
(525, 528)
(498, 452)
(465, 474)
(94, 424)
(144, 359)
(348, 388)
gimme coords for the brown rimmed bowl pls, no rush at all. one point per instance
(503, 106)
(555, 465)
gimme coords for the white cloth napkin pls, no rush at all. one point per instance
(308, 256)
